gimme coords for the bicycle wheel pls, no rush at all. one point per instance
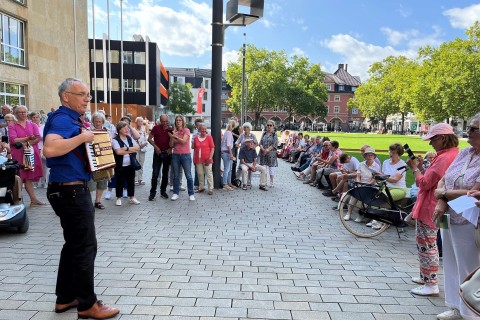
(351, 215)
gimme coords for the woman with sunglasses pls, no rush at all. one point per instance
(461, 253)
(442, 138)
(268, 150)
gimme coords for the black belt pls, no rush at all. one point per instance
(70, 183)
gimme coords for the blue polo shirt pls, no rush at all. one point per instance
(71, 166)
(248, 155)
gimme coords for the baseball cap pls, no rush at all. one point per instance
(439, 128)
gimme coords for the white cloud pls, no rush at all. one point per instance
(360, 55)
(394, 37)
(404, 12)
(463, 18)
(181, 33)
(297, 52)
(229, 56)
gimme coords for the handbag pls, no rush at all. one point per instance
(470, 291)
(136, 165)
(28, 157)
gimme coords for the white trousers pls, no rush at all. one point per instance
(259, 168)
(460, 257)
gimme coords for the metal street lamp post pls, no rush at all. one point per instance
(218, 27)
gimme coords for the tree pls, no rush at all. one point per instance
(273, 80)
(180, 99)
(449, 78)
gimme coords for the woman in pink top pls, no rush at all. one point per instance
(26, 132)
(180, 141)
(445, 142)
(203, 148)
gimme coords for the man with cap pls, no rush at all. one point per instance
(248, 161)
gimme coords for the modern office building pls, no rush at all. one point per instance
(35, 56)
(145, 80)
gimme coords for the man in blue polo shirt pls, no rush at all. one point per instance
(64, 139)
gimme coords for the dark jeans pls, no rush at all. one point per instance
(125, 174)
(161, 161)
(73, 204)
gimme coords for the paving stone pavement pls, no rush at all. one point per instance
(280, 254)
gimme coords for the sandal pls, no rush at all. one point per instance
(227, 187)
(99, 205)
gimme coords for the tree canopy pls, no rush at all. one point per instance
(276, 80)
(180, 99)
(440, 83)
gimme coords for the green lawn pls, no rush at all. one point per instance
(381, 142)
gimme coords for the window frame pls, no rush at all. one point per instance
(20, 41)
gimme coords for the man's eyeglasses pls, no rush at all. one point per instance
(82, 95)
(471, 129)
(269, 125)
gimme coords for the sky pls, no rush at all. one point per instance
(356, 33)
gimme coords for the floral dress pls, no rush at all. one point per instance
(270, 158)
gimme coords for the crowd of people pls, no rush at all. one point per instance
(441, 176)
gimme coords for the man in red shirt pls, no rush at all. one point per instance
(162, 156)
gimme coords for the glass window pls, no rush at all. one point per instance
(205, 95)
(336, 98)
(13, 46)
(336, 109)
(12, 93)
(99, 84)
(329, 87)
(203, 107)
(128, 85)
(115, 84)
(206, 83)
(341, 88)
(224, 106)
(224, 96)
(98, 55)
(354, 111)
(140, 85)
(128, 57)
(139, 57)
(275, 108)
(354, 88)
(115, 56)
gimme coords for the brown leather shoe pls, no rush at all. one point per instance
(59, 308)
(99, 311)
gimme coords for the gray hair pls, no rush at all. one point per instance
(231, 124)
(15, 111)
(65, 85)
(99, 115)
(271, 122)
(138, 118)
(248, 125)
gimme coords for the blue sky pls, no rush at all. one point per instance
(356, 33)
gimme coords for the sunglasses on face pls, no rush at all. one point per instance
(472, 129)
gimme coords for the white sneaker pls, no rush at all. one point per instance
(133, 201)
(174, 197)
(171, 188)
(452, 314)
(119, 202)
(418, 280)
(347, 217)
(192, 198)
(359, 219)
(108, 195)
(182, 188)
(377, 225)
(369, 224)
(426, 290)
(125, 194)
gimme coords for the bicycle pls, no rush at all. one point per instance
(372, 202)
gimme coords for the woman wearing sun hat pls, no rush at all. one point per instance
(445, 142)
